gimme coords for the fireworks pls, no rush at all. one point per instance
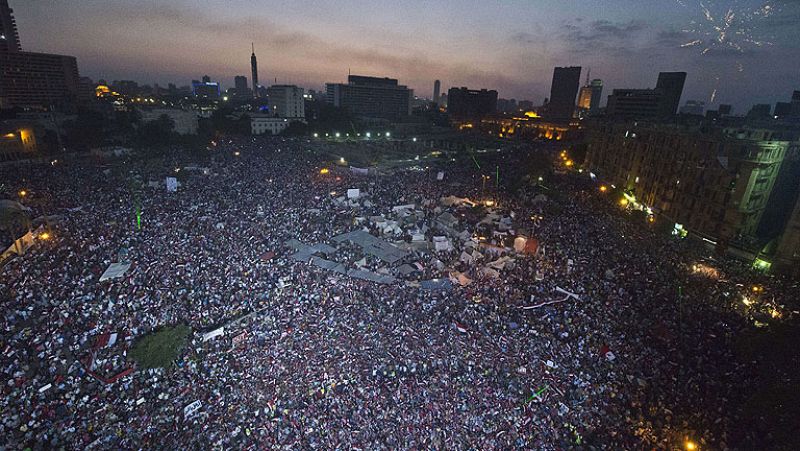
(727, 25)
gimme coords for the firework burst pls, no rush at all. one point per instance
(727, 25)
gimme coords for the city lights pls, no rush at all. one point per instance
(624, 202)
(23, 193)
(324, 171)
(369, 134)
(387, 134)
(603, 188)
(44, 236)
(690, 445)
(316, 135)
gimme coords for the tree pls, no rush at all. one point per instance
(161, 348)
(295, 128)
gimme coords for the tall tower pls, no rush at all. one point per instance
(254, 68)
(437, 87)
(563, 92)
(9, 38)
(670, 85)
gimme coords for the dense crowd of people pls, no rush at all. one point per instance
(640, 358)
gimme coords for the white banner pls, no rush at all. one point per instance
(214, 333)
(192, 408)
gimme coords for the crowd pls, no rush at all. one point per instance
(641, 359)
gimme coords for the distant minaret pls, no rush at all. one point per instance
(254, 68)
(437, 86)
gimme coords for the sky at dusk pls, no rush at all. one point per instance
(746, 50)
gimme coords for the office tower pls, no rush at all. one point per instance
(695, 107)
(240, 84)
(782, 110)
(597, 94)
(725, 110)
(254, 71)
(206, 88)
(465, 104)
(634, 104)
(670, 86)
(9, 38)
(760, 111)
(37, 81)
(563, 91)
(437, 86)
(371, 97)
(507, 105)
(585, 98)
(286, 101)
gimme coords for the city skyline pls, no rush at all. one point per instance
(511, 47)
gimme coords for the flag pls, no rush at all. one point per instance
(460, 327)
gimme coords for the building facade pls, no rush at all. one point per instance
(9, 37)
(371, 97)
(266, 124)
(467, 104)
(34, 81)
(286, 101)
(562, 93)
(17, 141)
(713, 182)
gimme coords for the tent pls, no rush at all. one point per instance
(115, 270)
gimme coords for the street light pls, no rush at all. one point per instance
(414, 139)
(338, 134)
(23, 193)
(369, 134)
(387, 134)
(316, 135)
(690, 445)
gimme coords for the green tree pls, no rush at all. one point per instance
(161, 348)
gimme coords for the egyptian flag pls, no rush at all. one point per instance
(460, 327)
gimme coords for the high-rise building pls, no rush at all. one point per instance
(286, 101)
(695, 107)
(670, 86)
(760, 111)
(254, 71)
(590, 95)
(633, 104)
(661, 102)
(562, 92)
(36, 81)
(507, 105)
(240, 84)
(437, 87)
(372, 97)
(206, 88)
(9, 38)
(464, 104)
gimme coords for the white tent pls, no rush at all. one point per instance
(115, 270)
